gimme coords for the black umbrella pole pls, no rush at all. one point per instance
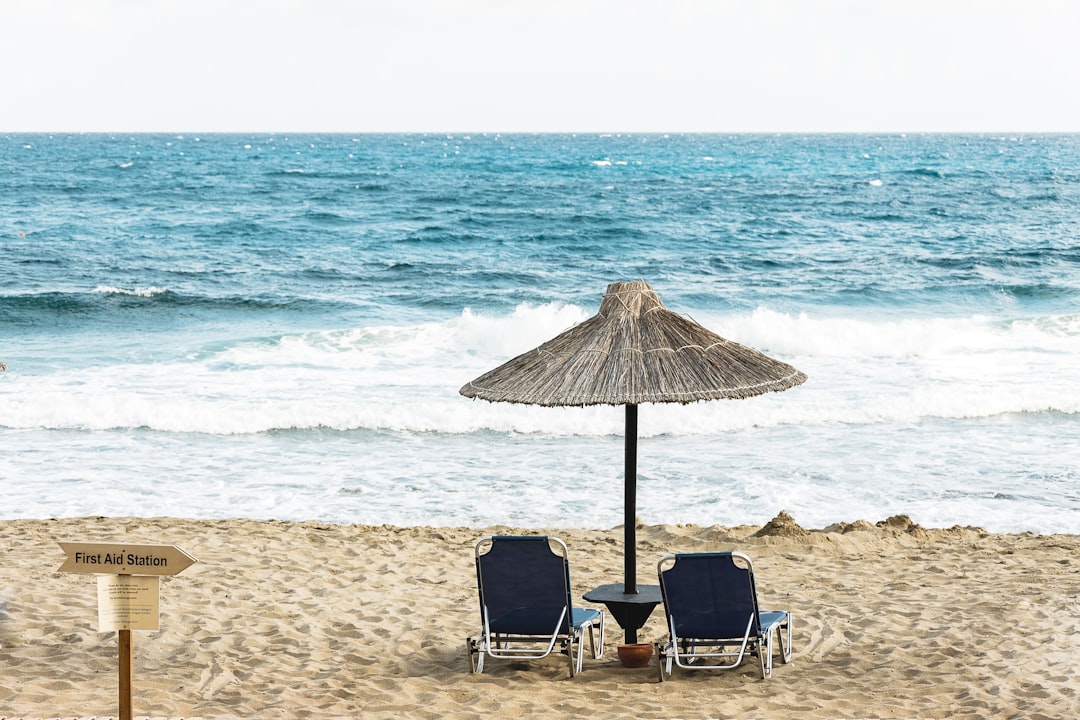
(630, 503)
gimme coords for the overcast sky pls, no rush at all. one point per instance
(540, 65)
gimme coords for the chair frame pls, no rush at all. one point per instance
(758, 638)
(567, 632)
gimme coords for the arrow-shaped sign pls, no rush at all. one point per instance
(124, 559)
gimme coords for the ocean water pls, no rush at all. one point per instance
(276, 326)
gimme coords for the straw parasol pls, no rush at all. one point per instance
(633, 351)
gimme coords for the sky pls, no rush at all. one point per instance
(540, 65)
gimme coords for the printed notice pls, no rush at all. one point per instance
(127, 602)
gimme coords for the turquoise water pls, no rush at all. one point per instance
(277, 326)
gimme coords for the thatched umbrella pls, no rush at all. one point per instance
(633, 351)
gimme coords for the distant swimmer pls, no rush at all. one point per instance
(3, 367)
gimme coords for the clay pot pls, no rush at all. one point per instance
(636, 655)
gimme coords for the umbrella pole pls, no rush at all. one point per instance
(630, 503)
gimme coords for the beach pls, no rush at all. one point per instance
(316, 620)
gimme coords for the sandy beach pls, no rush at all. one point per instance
(309, 620)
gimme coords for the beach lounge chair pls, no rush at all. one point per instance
(525, 605)
(712, 613)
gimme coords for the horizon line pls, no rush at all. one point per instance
(530, 132)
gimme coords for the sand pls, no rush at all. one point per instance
(309, 620)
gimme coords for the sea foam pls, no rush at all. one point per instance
(407, 378)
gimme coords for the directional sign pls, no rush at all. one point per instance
(124, 559)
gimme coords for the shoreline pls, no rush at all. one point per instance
(319, 620)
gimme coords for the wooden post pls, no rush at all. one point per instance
(124, 637)
(630, 503)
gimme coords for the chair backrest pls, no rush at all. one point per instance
(523, 584)
(707, 595)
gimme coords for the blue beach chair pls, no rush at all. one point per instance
(525, 605)
(712, 613)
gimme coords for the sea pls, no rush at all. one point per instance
(277, 325)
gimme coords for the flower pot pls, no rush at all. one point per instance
(636, 655)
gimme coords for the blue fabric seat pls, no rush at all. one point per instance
(712, 613)
(525, 603)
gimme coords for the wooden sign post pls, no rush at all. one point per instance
(127, 707)
(127, 592)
